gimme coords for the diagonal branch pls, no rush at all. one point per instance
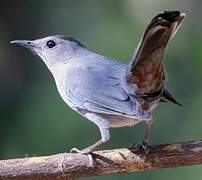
(71, 166)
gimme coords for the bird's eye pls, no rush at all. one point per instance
(51, 44)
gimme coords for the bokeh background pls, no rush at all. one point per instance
(33, 118)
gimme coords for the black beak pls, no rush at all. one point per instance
(24, 43)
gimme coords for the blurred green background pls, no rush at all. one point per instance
(33, 118)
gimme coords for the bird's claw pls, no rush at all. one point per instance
(145, 146)
(85, 151)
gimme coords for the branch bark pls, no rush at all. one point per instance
(71, 166)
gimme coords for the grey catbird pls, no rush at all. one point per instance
(105, 91)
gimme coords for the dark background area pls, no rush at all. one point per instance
(33, 118)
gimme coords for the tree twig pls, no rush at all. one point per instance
(71, 166)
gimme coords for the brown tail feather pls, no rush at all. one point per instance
(146, 68)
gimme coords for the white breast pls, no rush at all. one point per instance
(60, 76)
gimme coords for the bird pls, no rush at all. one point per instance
(108, 92)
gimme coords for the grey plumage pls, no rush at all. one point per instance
(105, 91)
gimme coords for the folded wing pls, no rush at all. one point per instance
(99, 91)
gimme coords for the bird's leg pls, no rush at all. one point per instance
(105, 137)
(147, 130)
(145, 144)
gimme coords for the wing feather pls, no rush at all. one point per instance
(100, 91)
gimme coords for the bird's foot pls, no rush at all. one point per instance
(145, 146)
(85, 151)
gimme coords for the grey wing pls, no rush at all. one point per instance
(99, 91)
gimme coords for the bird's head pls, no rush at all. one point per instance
(53, 49)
